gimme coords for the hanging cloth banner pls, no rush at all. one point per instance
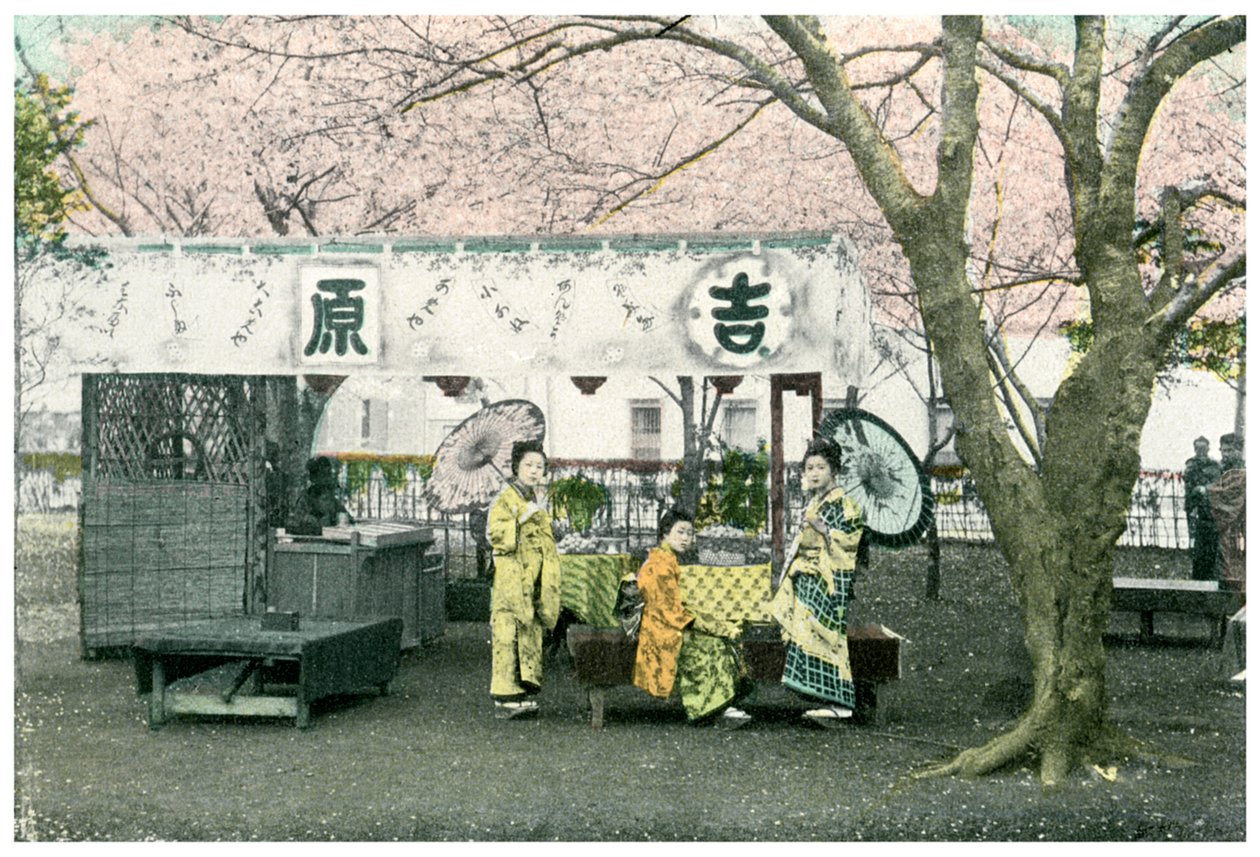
(485, 306)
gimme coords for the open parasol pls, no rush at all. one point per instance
(882, 475)
(476, 456)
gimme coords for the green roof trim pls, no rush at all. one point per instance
(572, 247)
(351, 248)
(718, 246)
(497, 246)
(229, 249)
(799, 241)
(423, 247)
(155, 248)
(643, 245)
(283, 249)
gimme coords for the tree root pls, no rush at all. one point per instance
(1109, 744)
(977, 761)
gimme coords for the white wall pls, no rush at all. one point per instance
(598, 426)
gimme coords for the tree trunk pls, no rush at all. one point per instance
(693, 461)
(293, 414)
(1240, 408)
(1058, 536)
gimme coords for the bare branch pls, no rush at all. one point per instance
(687, 161)
(676, 398)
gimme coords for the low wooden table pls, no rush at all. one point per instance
(1148, 596)
(322, 658)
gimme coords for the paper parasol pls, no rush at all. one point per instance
(476, 457)
(882, 475)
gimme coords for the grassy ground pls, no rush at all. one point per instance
(429, 762)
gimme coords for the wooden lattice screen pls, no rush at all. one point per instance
(171, 491)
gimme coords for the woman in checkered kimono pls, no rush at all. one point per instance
(811, 602)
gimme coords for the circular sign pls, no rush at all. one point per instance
(739, 311)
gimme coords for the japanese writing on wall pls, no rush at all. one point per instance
(455, 312)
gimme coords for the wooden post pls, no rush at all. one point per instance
(596, 697)
(88, 440)
(157, 695)
(776, 472)
(803, 384)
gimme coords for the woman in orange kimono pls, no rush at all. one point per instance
(678, 647)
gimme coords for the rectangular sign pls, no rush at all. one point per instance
(474, 307)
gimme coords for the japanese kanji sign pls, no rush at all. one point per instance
(742, 313)
(657, 305)
(340, 313)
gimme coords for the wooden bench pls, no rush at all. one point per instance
(604, 658)
(1148, 596)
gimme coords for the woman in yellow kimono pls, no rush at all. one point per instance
(812, 601)
(525, 598)
(674, 644)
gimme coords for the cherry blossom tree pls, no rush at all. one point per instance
(992, 173)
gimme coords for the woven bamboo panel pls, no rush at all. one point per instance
(176, 427)
(157, 553)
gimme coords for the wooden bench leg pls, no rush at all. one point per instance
(157, 696)
(596, 696)
(1147, 625)
(303, 717)
(866, 701)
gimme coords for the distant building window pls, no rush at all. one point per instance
(645, 432)
(739, 425)
(374, 422)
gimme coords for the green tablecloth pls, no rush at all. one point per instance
(588, 586)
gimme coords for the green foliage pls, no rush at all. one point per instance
(738, 494)
(62, 464)
(394, 468)
(358, 474)
(1210, 345)
(1216, 346)
(1148, 240)
(579, 499)
(1080, 335)
(44, 129)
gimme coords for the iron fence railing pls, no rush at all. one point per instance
(638, 495)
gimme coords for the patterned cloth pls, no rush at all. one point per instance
(711, 674)
(588, 586)
(812, 602)
(827, 677)
(740, 593)
(525, 599)
(588, 589)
